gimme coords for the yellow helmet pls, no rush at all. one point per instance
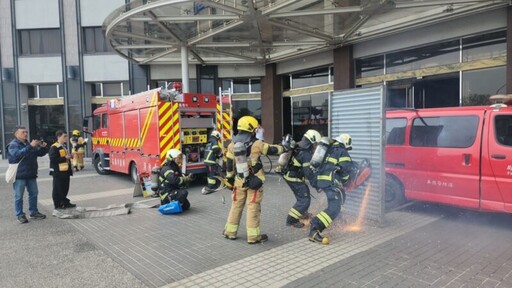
(346, 140)
(76, 133)
(215, 134)
(248, 124)
(313, 136)
(173, 154)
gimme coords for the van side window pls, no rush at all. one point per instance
(104, 120)
(96, 122)
(503, 126)
(444, 131)
(395, 131)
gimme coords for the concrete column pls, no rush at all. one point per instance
(271, 105)
(343, 68)
(509, 50)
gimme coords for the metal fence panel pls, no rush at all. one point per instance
(360, 113)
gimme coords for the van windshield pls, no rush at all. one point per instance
(444, 131)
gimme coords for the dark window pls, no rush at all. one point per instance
(96, 122)
(484, 46)
(32, 91)
(246, 108)
(96, 89)
(395, 131)
(94, 41)
(226, 84)
(309, 112)
(423, 57)
(40, 41)
(286, 82)
(478, 85)
(370, 66)
(104, 120)
(503, 128)
(255, 85)
(48, 91)
(449, 131)
(310, 78)
(240, 85)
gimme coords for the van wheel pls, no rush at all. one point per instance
(394, 193)
(98, 167)
(134, 172)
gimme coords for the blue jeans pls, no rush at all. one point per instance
(18, 188)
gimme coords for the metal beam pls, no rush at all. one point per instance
(216, 51)
(265, 45)
(214, 32)
(142, 37)
(409, 4)
(158, 56)
(317, 12)
(223, 7)
(143, 46)
(187, 18)
(163, 27)
(301, 30)
(277, 6)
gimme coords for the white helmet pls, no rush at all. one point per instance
(313, 136)
(346, 140)
(173, 154)
(215, 134)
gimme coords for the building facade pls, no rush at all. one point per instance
(57, 66)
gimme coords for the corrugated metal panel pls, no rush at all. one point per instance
(359, 112)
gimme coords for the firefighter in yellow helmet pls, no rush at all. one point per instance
(77, 150)
(245, 169)
(173, 181)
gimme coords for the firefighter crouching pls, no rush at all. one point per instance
(173, 181)
(295, 175)
(245, 169)
(332, 172)
(213, 152)
(78, 150)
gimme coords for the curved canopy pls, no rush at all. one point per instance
(265, 31)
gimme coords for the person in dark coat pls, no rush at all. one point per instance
(173, 181)
(21, 151)
(61, 170)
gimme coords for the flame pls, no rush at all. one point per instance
(358, 224)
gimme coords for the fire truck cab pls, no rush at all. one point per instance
(132, 134)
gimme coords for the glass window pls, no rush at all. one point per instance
(94, 41)
(96, 122)
(395, 131)
(446, 131)
(207, 86)
(503, 126)
(310, 78)
(478, 85)
(287, 82)
(226, 84)
(246, 108)
(48, 91)
(240, 85)
(484, 46)
(423, 57)
(309, 112)
(104, 120)
(255, 85)
(32, 91)
(370, 66)
(40, 41)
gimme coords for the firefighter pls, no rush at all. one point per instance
(77, 150)
(245, 170)
(173, 181)
(213, 152)
(297, 172)
(332, 173)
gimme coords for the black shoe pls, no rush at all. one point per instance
(68, 205)
(37, 215)
(227, 236)
(22, 219)
(295, 224)
(315, 236)
(263, 238)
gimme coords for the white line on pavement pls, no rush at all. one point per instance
(92, 196)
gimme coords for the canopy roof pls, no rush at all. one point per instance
(266, 31)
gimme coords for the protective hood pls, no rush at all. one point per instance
(304, 143)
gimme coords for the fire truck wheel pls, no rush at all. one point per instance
(134, 172)
(99, 168)
(394, 193)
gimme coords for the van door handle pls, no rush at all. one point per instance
(467, 158)
(498, 156)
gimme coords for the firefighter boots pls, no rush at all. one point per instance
(227, 236)
(315, 236)
(290, 221)
(263, 238)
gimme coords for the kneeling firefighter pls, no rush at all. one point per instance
(297, 172)
(334, 164)
(173, 181)
(212, 153)
(245, 170)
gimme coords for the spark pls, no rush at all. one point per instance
(358, 224)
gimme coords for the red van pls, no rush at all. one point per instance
(460, 156)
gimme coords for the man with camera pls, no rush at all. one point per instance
(21, 151)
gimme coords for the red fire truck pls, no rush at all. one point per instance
(132, 134)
